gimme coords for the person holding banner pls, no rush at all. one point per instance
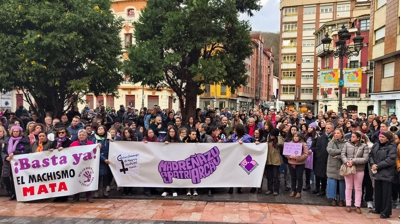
(239, 135)
(82, 140)
(62, 141)
(17, 144)
(273, 163)
(335, 181)
(149, 136)
(172, 137)
(43, 144)
(297, 164)
(128, 135)
(103, 138)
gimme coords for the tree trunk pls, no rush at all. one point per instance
(189, 108)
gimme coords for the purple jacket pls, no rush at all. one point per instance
(246, 139)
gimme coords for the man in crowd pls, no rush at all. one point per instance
(309, 118)
(121, 112)
(354, 128)
(48, 123)
(321, 160)
(226, 113)
(76, 125)
(251, 126)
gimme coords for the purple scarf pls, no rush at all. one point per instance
(12, 144)
(60, 141)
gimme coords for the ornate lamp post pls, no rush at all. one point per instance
(342, 50)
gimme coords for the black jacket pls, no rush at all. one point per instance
(64, 144)
(321, 154)
(385, 157)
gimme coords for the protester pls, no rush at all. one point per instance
(354, 153)
(103, 138)
(296, 165)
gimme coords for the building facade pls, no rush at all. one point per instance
(384, 51)
(299, 64)
(259, 88)
(355, 99)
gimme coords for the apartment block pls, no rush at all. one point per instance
(384, 51)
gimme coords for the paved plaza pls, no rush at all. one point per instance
(179, 211)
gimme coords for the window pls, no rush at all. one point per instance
(326, 9)
(309, 10)
(289, 58)
(379, 35)
(380, 3)
(223, 90)
(288, 27)
(207, 88)
(288, 89)
(307, 75)
(364, 24)
(309, 26)
(306, 90)
(289, 43)
(128, 40)
(308, 43)
(288, 74)
(353, 64)
(291, 11)
(343, 8)
(308, 59)
(353, 92)
(388, 70)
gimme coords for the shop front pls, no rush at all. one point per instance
(386, 104)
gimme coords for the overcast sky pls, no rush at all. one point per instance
(267, 19)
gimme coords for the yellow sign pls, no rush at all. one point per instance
(352, 77)
(328, 78)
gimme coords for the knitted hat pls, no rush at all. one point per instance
(274, 132)
(388, 135)
(313, 125)
(16, 127)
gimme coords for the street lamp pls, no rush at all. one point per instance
(342, 50)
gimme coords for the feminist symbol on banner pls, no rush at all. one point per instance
(123, 170)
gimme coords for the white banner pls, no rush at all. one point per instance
(187, 165)
(58, 173)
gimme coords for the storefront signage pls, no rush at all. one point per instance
(389, 96)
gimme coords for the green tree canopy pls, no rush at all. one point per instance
(58, 50)
(186, 44)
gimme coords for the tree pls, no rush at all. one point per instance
(56, 51)
(186, 44)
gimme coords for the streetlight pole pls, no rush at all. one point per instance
(342, 50)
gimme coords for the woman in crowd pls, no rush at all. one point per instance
(296, 166)
(364, 127)
(335, 181)
(273, 163)
(128, 135)
(311, 140)
(43, 144)
(34, 135)
(368, 190)
(258, 136)
(354, 153)
(17, 144)
(171, 137)
(304, 129)
(103, 138)
(375, 130)
(239, 135)
(82, 140)
(169, 119)
(340, 124)
(383, 164)
(182, 133)
(290, 134)
(61, 141)
(113, 132)
(149, 136)
(268, 126)
(190, 125)
(30, 127)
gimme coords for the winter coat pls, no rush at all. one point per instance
(46, 146)
(105, 148)
(245, 139)
(74, 131)
(260, 140)
(357, 154)
(301, 159)
(321, 155)
(334, 149)
(65, 144)
(120, 114)
(274, 157)
(384, 156)
(23, 147)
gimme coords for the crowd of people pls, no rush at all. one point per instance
(354, 156)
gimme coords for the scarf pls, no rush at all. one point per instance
(83, 143)
(40, 147)
(12, 144)
(60, 141)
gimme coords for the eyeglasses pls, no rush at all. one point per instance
(61, 132)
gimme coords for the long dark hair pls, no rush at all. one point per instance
(240, 131)
(132, 134)
(168, 138)
(300, 135)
